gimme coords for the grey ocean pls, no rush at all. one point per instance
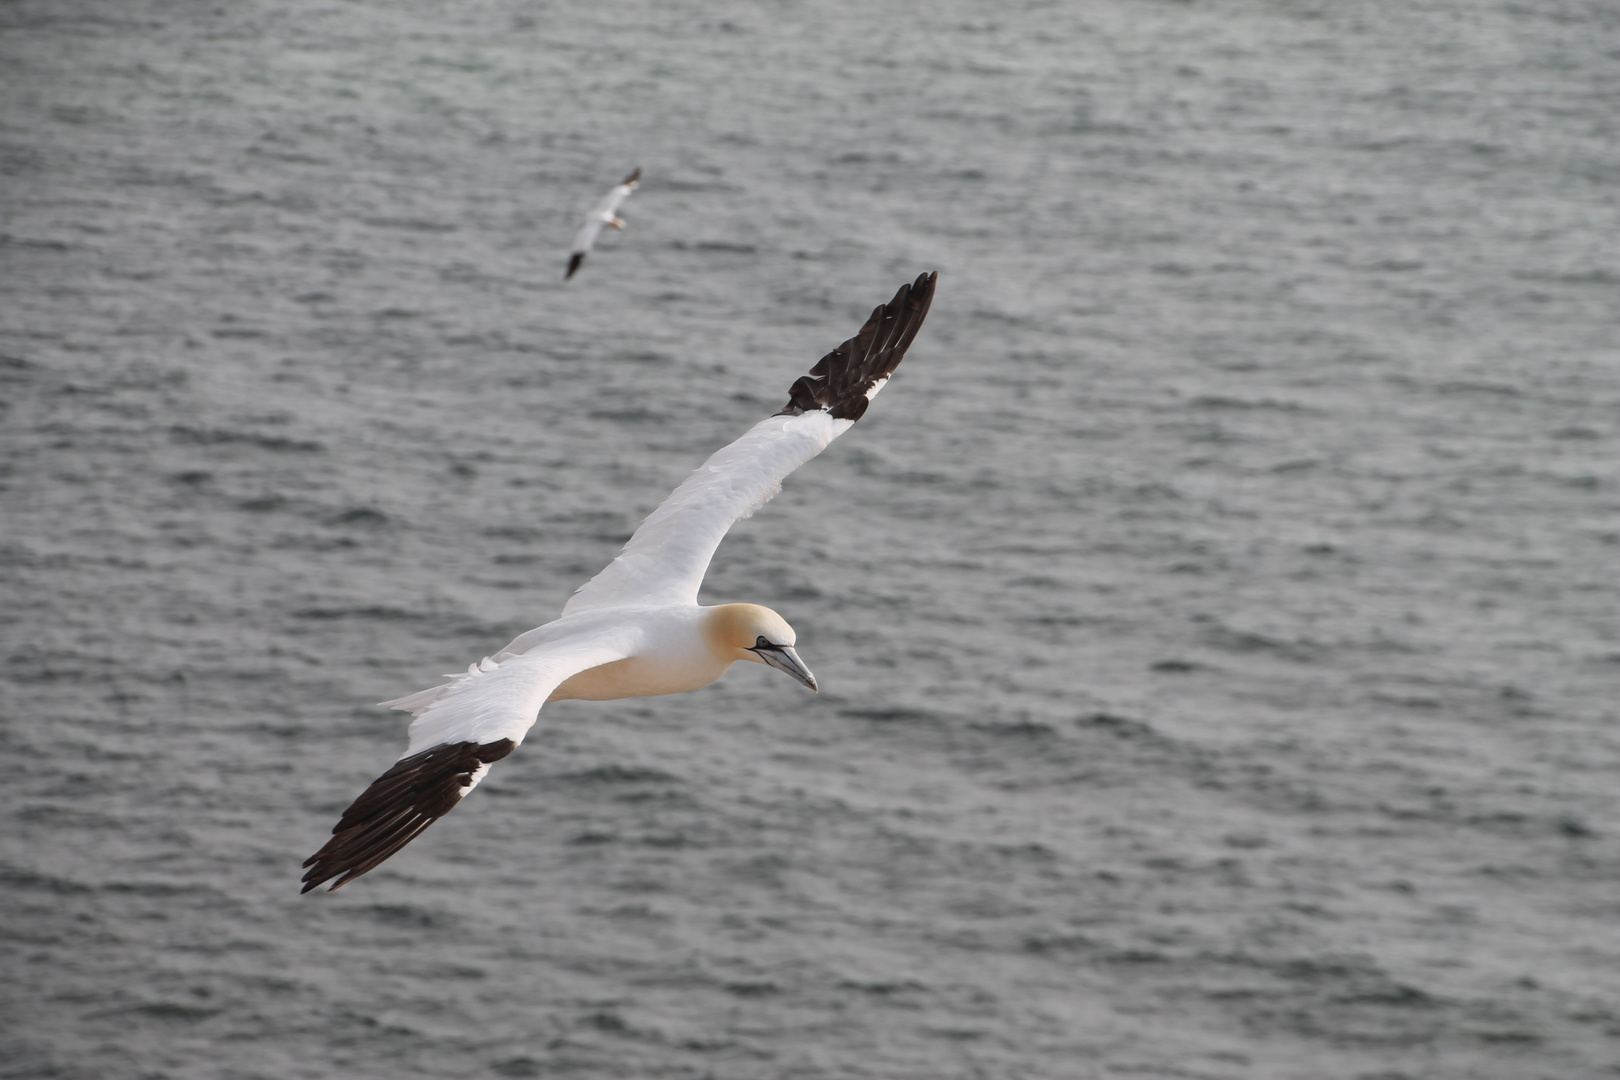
(1218, 617)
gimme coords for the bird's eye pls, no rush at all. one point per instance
(761, 643)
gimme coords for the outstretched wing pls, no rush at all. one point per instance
(585, 239)
(610, 202)
(460, 730)
(665, 560)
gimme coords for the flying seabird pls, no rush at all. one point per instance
(606, 213)
(635, 629)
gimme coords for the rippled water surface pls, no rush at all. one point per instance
(1217, 617)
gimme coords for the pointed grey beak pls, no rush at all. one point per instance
(783, 658)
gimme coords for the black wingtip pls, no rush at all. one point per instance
(413, 794)
(573, 264)
(841, 382)
(632, 178)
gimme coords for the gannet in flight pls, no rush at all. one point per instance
(635, 629)
(606, 213)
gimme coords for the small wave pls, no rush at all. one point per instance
(1123, 726)
(411, 224)
(379, 612)
(401, 915)
(1015, 729)
(619, 774)
(1223, 401)
(219, 437)
(1476, 386)
(1248, 641)
(732, 247)
(15, 878)
(892, 715)
(357, 515)
(630, 416)
(173, 1010)
(1596, 276)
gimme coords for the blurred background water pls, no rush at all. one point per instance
(1217, 618)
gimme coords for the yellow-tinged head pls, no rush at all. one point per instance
(758, 634)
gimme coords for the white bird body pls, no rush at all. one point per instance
(606, 213)
(680, 650)
(635, 629)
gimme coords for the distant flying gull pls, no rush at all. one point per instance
(606, 213)
(635, 629)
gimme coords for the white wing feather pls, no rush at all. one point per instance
(611, 201)
(665, 560)
(585, 239)
(500, 697)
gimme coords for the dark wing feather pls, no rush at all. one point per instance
(841, 380)
(573, 264)
(398, 805)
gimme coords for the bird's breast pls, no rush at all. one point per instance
(640, 677)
